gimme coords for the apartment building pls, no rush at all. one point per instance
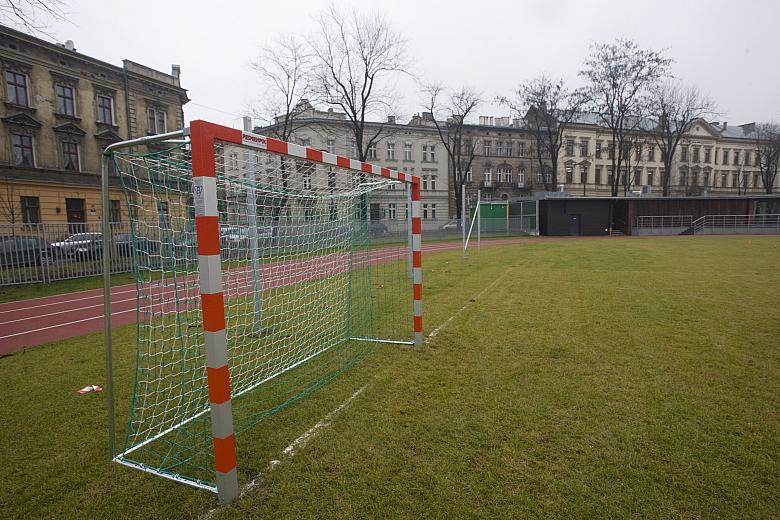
(713, 158)
(61, 109)
(413, 147)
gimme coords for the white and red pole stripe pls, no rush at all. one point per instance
(417, 261)
(204, 187)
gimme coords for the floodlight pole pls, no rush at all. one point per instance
(252, 220)
(105, 219)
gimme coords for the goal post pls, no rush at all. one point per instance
(257, 282)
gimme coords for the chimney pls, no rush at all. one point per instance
(70, 45)
(725, 124)
(427, 116)
(391, 120)
(176, 72)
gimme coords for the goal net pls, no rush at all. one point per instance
(257, 281)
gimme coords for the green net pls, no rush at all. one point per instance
(306, 293)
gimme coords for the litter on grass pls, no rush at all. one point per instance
(89, 389)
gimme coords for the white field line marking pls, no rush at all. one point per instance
(297, 444)
(436, 331)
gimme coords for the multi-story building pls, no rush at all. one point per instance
(713, 158)
(413, 148)
(61, 109)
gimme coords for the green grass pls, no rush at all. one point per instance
(12, 293)
(634, 378)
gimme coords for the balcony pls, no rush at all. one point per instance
(488, 184)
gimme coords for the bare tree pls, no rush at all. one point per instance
(449, 118)
(354, 57)
(768, 153)
(618, 77)
(9, 208)
(285, 70)
(32, 16)
(675, 109)
(549, 108)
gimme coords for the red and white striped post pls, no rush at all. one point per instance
(417, 260)
(204, 188)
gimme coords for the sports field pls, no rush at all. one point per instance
(625, 378)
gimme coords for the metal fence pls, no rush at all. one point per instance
(31, 253)
(737, 224)
(661, 224)
(40, 253)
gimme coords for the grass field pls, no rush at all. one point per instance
(622, 378)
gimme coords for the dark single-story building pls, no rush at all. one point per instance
(564, 216)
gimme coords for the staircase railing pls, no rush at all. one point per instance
(735, 224)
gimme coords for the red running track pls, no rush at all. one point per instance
(32, 322)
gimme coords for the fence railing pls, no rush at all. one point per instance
(40, 253)
(663, 221)
(31, 253)
(736, 224)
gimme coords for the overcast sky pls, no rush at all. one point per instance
(729, 49)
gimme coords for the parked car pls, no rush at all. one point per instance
(449, 225)
(376, 227)
(23, 250)
(79, 245)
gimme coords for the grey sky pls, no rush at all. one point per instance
(729, 49)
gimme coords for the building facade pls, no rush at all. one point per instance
(712, 159)
(61, 109)
(413, 148)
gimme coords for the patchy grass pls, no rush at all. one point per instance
(621, 378)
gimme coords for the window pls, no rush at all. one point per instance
(570, 147)
(70, 156)
(105, 108)
(433, 211)
(307, 181)
(66, 104)
(432, 149)
(391, 211)
(156, 121)
(372, 151)
(583, 174)
(391, 151)
(684, 153)
(747, 157)
(487, 176)
(610, 177)
(638, 152)
(407, 151)
(469, 176)
(611, 150)
(16, 86)
(500, 148)
(650, 152)
(330, 145)
(583, 148)
(696, 154)
(504, 174)
(724, 180)
(569, 174)
(114, 211)
(521, 177)
(424, 182)
(725, 157)
(650, 177)
(306, 142)
(756, 158)
(736, 157)
(23, 150)
(353, 149)
(597, 173)
(425, 210)
(31, 210)
(521, 149)
(637, 176)
(509, 146)
(707, 155)
(433, 182)
(487, 148)
(598, 150)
